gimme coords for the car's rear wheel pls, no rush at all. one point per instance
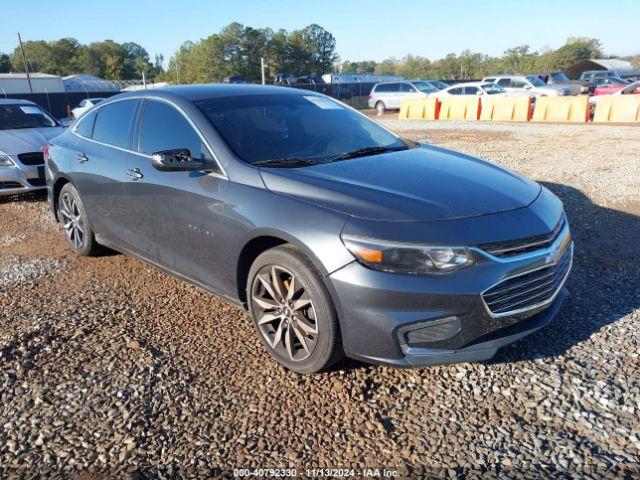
(75, 223)
(381, 108)
(292, 311)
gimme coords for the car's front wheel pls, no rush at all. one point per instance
(74, 221)
(292, 311)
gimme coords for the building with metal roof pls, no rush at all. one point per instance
(624, 68)
(83, 82)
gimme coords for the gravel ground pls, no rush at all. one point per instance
(112, 369)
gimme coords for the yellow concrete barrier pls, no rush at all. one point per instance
(617, 108)
(506, 109)
(464, 107)
(419, 109)
(562, 109)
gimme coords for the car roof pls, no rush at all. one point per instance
(469, 84)
(213, 90)
(15, 101)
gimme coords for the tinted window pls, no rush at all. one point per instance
(393, 87)
(85, 124)
(456, 91)
(382, 88)
(504, 82)
(113, 123)
(24, 116)
(277, 126)
(165, 128)
(518, 83)
(492, 88)
(489, 79)
(471, 90)
(405, 87)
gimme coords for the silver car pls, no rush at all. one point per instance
(389, 95)
(25, 129)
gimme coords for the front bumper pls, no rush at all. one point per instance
(405, 320)
(21, 178)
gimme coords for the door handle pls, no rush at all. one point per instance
(135, 173)
(81, 157)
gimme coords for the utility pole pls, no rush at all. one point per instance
(24, 60)
(262, 69)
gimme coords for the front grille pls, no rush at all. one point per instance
(529, 290)
(31, 158)
(512, 248)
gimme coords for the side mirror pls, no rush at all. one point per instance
(178, 160)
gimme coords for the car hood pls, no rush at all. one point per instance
(21, 140)
(416, 185)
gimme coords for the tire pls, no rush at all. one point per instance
(302, 313)
(380, 108)
(75, 223)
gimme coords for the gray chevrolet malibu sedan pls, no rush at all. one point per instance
(339, 236)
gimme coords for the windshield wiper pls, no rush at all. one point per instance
(364, 152)
(284, 162)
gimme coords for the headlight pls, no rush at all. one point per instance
(407, 258)
(5, 161)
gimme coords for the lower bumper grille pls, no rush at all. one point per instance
(37, 182)
(530, 290)
(7, 185)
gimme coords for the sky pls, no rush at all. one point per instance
(364, 30)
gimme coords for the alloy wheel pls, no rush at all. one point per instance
(284, 313)
(72, 221)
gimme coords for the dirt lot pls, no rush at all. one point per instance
(109, 366)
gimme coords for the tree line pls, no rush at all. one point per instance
(236, 50)
(67, 56)
(470, 64)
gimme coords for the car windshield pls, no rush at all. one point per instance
(24, 116)
(535, 81)
(492, 88)
(425, 87)
(560, 77)
(306, 128)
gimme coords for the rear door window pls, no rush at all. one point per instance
(471, 90)
(456, 91)
(113, 123)
(406, 88)
(504, 82)
(518, 83)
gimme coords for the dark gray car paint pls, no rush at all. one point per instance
(195, 225)
(435, 185)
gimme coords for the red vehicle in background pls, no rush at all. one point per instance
(606, 86)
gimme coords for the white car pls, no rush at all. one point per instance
(481, 89)
(389, 95)
(85, 105)
(25, 129)
(529, 84)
